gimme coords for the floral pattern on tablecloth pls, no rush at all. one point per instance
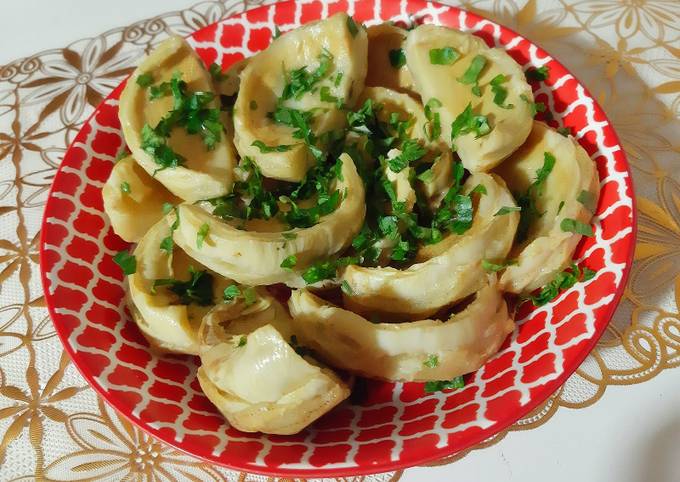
(54, 427)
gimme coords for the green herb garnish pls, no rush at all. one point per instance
(433, 128)
(411, 151)
(527, 201)
(537, 74)
(439, 385)
(196, 290)
(443, 56)
(242, 341)
(507, 210)
(145, 80)
(569, 225)
(491, 267)
(352, 26)
(397, 58)
(126, 261)
(202, 234)
(264, 149)
(563, 281)
(500, 93)
(467, 122)
(588, 200)
(231, 292)
(290, 262)
(432, 361)
(125, 187)
(471, 75)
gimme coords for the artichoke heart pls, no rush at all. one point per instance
(255, 258)
(292, 92)
(570, 191)
(399, 351)
(133, 200)
(447, 276)
(438, 58)
(203, 170)
(260, 384)
(167, 324)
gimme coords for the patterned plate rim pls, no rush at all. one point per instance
(404, 462)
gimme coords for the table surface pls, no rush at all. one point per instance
(616, 419)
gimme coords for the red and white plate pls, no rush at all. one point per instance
(395, 425)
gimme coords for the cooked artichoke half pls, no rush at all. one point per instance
(168, 325)
(437, 58)
(386, 60)
(133, 200)
(434, 188)
(205, 173)
(570, 191)
(313, 68)
(399, 351)
(260, 384)
(255, 258)
(456, 272)
(241, 317)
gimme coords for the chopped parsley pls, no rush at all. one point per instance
(161, 153)
(301, 81)
(588, 200)
(230, 293)
(507, 210)
(479, 188)
(563, 281)
(537, 74)
(439, 385)
(467, 122)
(202, 234)
(352, 26)
(144, 80)
(500, 93)
(569, 225)
(167, 244)
(249, 296)
(191, 111)
(198, 289)
(565, 131)
(433, 128)
(265, 149)
(559, 208)
(216, 72)
(491, 267)
(471, 75)
(122, 153)
(411, 151)
(535, 107)
(346, 288)
(326, 96)
(252, 105)
(443, 56)
(426, 176)
(125, 187)
(126, 261)
(527, 201)
(397, 58)
(432, 361)
(289, 235)
(243, 341)
(290, 262)
(319, 271)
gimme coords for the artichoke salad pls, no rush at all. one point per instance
(394, 180)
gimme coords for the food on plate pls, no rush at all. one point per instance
(424, 288)
(171, 120)
(318, 67)
(393, 180)
(428, 349)
(486, 101)
(133, 200)
(256, 257)
(556, 184)
(170, 293)
(256, 378)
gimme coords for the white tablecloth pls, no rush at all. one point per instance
(618, 419)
